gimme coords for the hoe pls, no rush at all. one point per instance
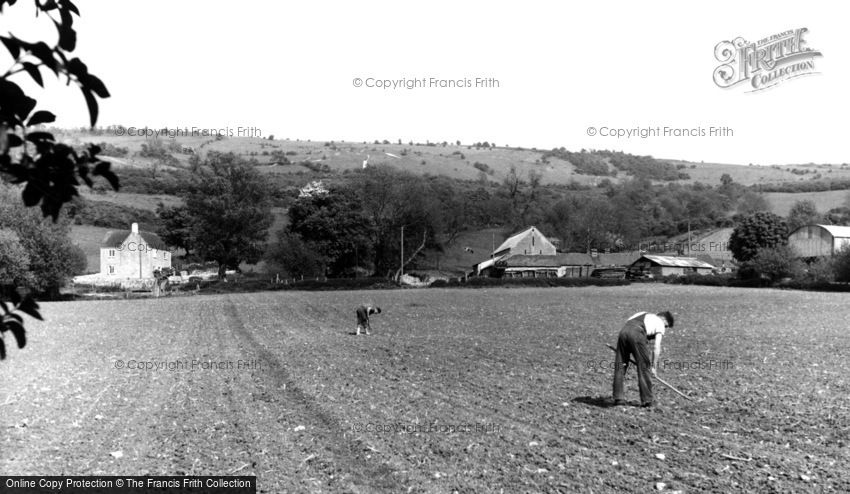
(662, 381)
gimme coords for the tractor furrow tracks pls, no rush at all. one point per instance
(331, 460)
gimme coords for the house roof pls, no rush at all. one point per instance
(678, 262)
(487, 264)
(836, 230)
(617, 259)
(115, 238)
(513, 240)
(707, 259)
(547, 261)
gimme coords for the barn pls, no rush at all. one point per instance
(671, 266)
(572, 265)
(526, 242)
(811, 241)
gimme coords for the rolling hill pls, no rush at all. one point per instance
(465, 162)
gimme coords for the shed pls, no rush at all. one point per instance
(572, 265)
(818, 240)
(671, 266)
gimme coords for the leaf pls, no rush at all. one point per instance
(70, 6)
(2, 349)
(18, 332)
(43, 52)
(91, 102)
(67, 35)
(32, 70)
(96, 85)
(31, 194)
(30, 307)
(13, 45)
(35, 137)
(14, 316)
(40, 117)
(14, 140)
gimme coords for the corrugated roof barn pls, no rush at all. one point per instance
(819, 240)
(669, 265)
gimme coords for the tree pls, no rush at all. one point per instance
(51, 256)
(14, 260)
(296, 256)
(751, 202)
(803, 213)
(773, 263)
(176, 227)
(230, 212)
(49, 169)
(331, 224)
(757, 231)
(391, 199)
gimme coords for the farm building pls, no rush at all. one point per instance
(528, 242)
(571, 265)
(818, 240)
(132, 254)
(668, 265)
(615, 259)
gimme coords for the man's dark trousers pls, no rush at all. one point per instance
(633, 341)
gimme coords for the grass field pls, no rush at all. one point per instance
(782, 202)
(489, 390)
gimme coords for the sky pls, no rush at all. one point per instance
(548, 72)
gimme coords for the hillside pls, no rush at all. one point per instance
(294, 162)
(449, 159)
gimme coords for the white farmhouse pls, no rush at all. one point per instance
(131, 254)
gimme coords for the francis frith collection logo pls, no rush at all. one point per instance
(764, 63)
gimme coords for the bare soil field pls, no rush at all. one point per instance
(456, 390)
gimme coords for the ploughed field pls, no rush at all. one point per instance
(461, 390)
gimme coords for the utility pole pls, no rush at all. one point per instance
(689, 237)
(402, 253)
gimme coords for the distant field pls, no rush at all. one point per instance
(141, 201)
(456, 391)
(781, 202)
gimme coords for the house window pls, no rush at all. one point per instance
(532, 241)
(111, 252)
(111, 269)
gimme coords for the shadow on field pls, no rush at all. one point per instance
(599, 401)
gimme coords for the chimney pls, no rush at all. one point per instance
(134, 228)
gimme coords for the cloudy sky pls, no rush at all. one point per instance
(290, 69)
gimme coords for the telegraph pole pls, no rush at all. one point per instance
(402, 253)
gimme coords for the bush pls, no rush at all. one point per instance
(774, 263)
(821, 270)
(841, 264)
(701, 279)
